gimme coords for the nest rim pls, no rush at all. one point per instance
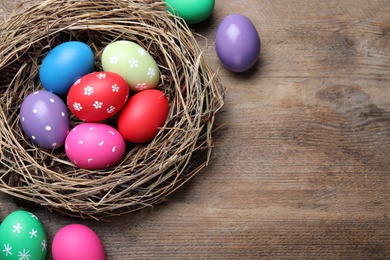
(148, 172)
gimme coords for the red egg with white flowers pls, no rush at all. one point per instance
(143, 115)
(98, 96)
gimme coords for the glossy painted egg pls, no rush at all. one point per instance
(237, 43)
(97, 96)
(143, 115)
(64, 64)
(133, 63)
(94, 146)
(22, 236)
(77, 242)
(192, 11)
(44, 119)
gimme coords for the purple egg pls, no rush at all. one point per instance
(237, 43)
(45, 119)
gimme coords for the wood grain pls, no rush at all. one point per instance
(302, 168)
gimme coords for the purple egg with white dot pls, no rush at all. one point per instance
(45, 119)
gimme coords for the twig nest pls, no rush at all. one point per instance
(148, 172)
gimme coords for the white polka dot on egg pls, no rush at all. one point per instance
(40, 113)
(92, 146)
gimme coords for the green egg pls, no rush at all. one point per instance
(133, 63)
(192, 11)
(22, 237)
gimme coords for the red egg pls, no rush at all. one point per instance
(143, 115)
(97, 96)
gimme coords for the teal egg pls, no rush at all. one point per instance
(22, 237)
(192, 11)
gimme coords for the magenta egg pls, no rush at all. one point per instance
(237, 43)
(77, 242)
(94, 146)
(45, 119)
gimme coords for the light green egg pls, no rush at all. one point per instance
(192, 11)
(133, 63)
(22, 237)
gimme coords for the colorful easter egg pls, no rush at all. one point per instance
(237, 43)
(143, 115)
(22, 237)
(97, 96)
(133, 63)
(192, 11)
(77, 242)
(94, 146)
(45, 119)
(64, 64)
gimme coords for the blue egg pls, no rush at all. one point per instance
(64, 65)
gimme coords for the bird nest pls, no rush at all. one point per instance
(148, 172)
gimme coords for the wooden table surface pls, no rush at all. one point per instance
(302, 168)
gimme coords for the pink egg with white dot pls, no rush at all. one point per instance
(45, 119)
(94, 146)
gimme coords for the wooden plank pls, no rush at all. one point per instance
(301, 170)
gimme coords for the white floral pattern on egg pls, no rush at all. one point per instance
(133, 63)
(97, 96)
(22, 237)
(94, 146)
